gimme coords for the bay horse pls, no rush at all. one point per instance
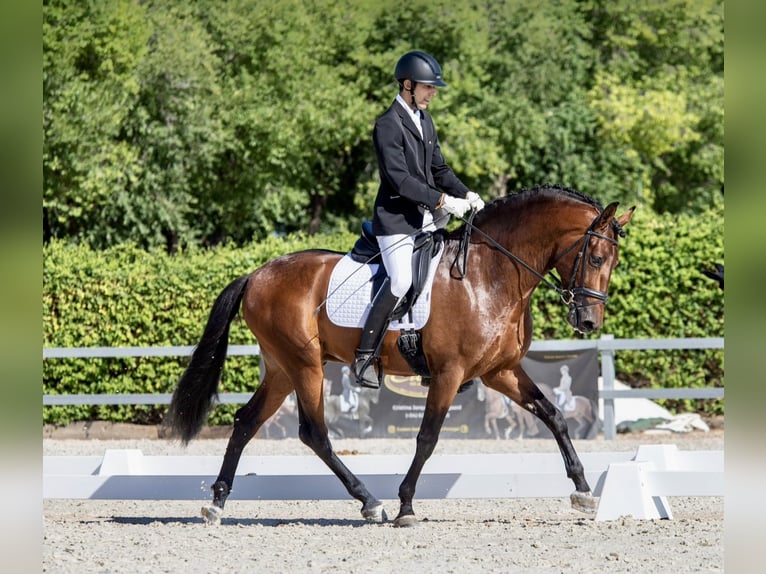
(583, 411)
(480, 326)
(496, 406)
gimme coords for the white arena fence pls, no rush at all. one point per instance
(607, 345)
(627, 484)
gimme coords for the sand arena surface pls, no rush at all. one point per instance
(503, 535)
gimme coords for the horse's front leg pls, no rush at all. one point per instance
(582, 499)
(440, 397)
(517, 385)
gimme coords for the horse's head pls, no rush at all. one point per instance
(586, 267)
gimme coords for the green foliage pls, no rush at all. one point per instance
(658, 95)
(124, 296)
(91, 52)
(171, 124)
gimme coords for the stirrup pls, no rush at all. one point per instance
(364, 373)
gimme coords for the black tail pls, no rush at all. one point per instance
(716, 274)
(194, 394)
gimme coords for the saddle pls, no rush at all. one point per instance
(427, 246)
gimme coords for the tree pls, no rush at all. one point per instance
(658, 96)
(91, 54)
(169, 123)
(131, 121)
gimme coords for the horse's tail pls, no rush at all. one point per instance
(198, 386)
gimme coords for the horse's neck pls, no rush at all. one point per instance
(533, 245)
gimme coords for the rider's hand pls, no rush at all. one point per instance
(477, 204)
(455, 205)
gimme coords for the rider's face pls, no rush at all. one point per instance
(423, 94)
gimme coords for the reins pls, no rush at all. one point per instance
(462, 250)
(461, 263)
(556, 287)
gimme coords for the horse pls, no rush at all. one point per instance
(583, 412)
(525, 420)
(357, 422)
(286, 410)
(480, 326)
(716, 273)
(496, 406)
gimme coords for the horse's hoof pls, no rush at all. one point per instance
(212, 514)
(584, 502)
(406, 521)
(375, 514)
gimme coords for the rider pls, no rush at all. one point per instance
(416, 188)
(563, 392)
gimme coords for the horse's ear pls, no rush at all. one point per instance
(610, 210)
(601, 223)
(625, 217)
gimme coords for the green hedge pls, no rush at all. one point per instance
(125, 296)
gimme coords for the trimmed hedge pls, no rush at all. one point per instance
(125, 296)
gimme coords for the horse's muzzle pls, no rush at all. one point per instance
(583, 319)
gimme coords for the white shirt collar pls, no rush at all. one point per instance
(414, 114)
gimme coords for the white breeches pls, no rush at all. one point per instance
(396, 252)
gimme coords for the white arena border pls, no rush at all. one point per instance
(634, 484)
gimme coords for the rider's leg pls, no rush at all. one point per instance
(396, 253)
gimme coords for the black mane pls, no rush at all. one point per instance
(539, 192)
(547, 190)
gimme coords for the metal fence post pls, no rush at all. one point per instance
(607, 382)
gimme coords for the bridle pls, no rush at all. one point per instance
(572, 291)
(568, 295)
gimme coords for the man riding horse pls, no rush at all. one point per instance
(417, 187)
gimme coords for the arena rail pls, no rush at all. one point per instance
(607, 345)
(634, 484)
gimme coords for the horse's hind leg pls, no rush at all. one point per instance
(247, 420)
(519, 387)
(312, 431)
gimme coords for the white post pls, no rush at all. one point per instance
(607, 381)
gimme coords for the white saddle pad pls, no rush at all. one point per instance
(350, 293)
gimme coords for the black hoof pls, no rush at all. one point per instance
(221, 492)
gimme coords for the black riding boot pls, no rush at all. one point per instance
(372, 336)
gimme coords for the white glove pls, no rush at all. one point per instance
(455, 205)
(476, 202)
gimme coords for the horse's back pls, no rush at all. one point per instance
(301, 272)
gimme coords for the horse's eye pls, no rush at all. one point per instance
(596, 261)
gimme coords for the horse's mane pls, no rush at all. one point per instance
(517, 200)
(541, 192)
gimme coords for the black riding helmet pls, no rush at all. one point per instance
(419, 67)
